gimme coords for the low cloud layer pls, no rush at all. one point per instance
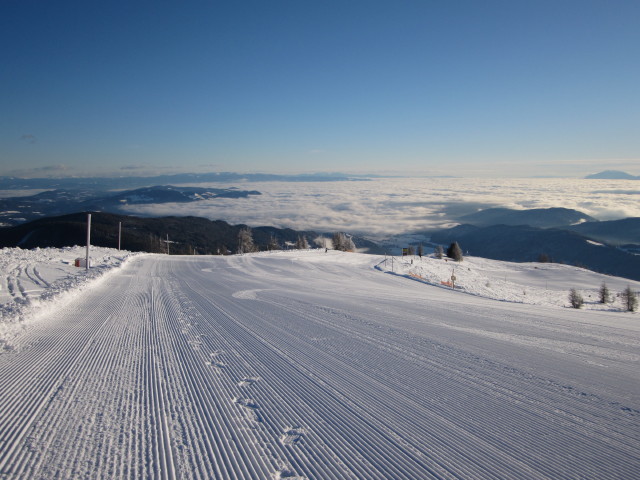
(383, 207)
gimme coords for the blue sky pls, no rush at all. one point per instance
(424, 87)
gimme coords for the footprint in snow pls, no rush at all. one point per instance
(291, 435)
(219, 366)
(288, 474)
(250, 408)
(247, 381)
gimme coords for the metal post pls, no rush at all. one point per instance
(167, 244)
(88, 238)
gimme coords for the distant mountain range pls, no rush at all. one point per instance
(555, 234)
(537, 217)
(112, 183)
(563, 235)
(16, 210)
(612, 175)
(186, 234)
(522, 243)
(615, 232)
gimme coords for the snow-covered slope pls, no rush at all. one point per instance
(531, 283)
(320, 365)
(33, 280)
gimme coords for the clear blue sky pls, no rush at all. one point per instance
(132, 87)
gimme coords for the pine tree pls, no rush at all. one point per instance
(544, 258)
(439, 251)
(604, 293)
(420, 250)
(629, 299)
(455, 252)
(575, 299)
(273, 243)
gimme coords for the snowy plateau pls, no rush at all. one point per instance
(312, 364)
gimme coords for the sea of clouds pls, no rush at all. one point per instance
(390, 206)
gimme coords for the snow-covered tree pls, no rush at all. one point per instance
(301, 243)
(575, 299)
(343, 242)
(420, 250)
(629, 299)
(273, 243)
(245, 240)
(438, 251)
(455, 252)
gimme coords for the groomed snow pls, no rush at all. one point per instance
(319, 365)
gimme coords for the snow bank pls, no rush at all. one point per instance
(32, 280)
(531, 283)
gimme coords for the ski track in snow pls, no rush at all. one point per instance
(317, 366)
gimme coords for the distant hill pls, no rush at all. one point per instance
(527, 244)
(16, 210)
(615, 232)
(148, 234)
(537, 217)
(612, 175)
